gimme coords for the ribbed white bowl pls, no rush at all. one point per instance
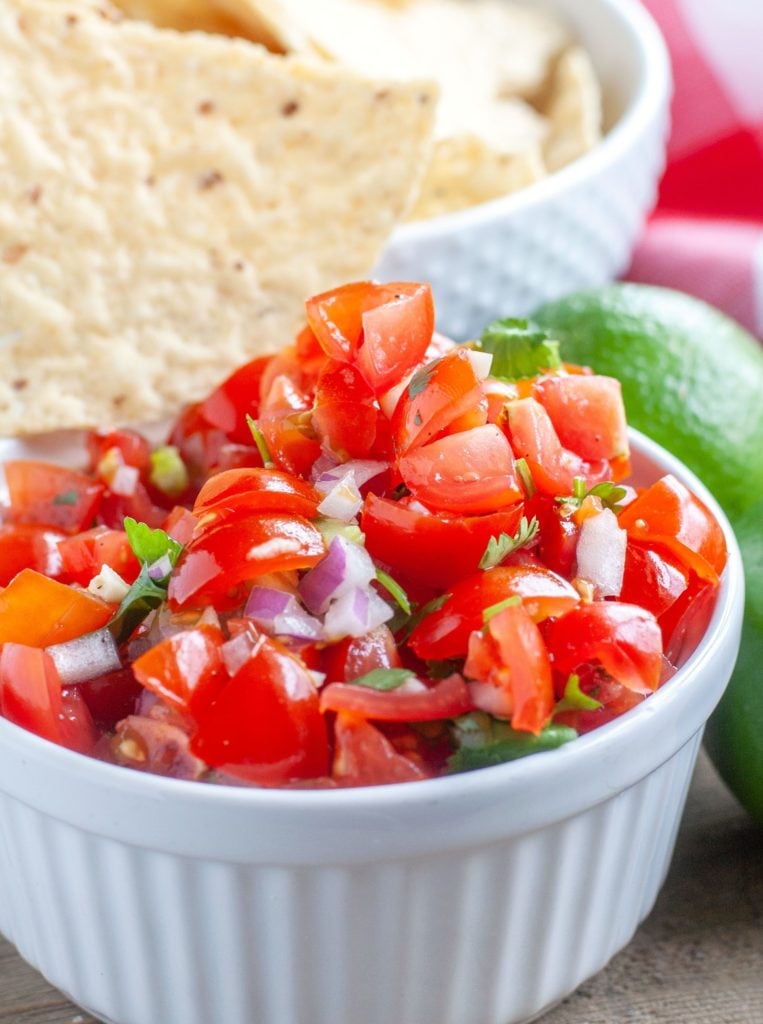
(478, 899)
(578, 227)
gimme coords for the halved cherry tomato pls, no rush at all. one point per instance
(291, 440)
(265, 725)
(558, 534)
(186, 669)
(49, 495)
(510, 666)
(357, 655)
(553, 468)
(438, 393)
(38, 612)
(623, 638)
(668, 516)
(471, 472)
(28, 547)
(84, 555)
(155, 745)
(227, 407)
(587, 413)
(685, 622)
(31, 697)
(445, 633)
(242, 548)
(386, 328)
(433, 550)
(256, 490)
(445, 699)
(363, 756)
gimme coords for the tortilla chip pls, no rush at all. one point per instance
(466, 171)
(168, 201)
(574, 109)
(187, 16)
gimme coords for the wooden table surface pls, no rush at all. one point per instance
(698, 959)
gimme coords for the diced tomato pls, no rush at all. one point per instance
(668, 516)
(291, 440)
(31, 697)
(438, 394)
(558, 534)
(133, 448)
(229, 404)
(198, 442)
(49, 495)
(534, 439)
(363, 756)
(186, 669)
(433, 550)
(623, 638)
(510, 666)
(425, 703)
(651, 580)
(180, 524)
(38, 612)
(346, 417)
(445, 633)
(28, 547)
(153, 745)
(111, 697)
(587, 413)
(256, 490)
(265, 725)
(242, 548)
(685, 622)
(471, 472)
(238, 456)
(357, 655)
(386, 328)
(84, 555)
(115, 508)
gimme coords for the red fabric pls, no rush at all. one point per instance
(706, 236)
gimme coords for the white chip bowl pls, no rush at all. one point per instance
(575, 229)
(483, 898)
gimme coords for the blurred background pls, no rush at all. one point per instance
(706, 236)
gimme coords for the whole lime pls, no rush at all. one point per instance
(693, 381)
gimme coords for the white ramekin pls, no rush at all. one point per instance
(575, 229)
(478, 899)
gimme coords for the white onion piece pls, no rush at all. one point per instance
(354, 613)
(323, 464)
(388, 401)
(88, 656)
(108, 585)
(481, 362)
(280, 613)
(488, 697)
(344, 566)
(124, 481)
(361, 471)
(601, 553)
(343, 501)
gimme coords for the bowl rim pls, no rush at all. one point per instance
(647, 105)
(573, 777)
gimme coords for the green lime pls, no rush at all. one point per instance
(693, 380)
(734, 734)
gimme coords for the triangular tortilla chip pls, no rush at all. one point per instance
(168, 201)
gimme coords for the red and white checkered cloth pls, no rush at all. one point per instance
(706, 236)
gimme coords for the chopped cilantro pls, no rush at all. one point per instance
(519, 349)
(384, 678)
(574, 699)
(394, 588)
(145, 594)
(608, 493)
(421, 378)
(498, 548)
(150, 545)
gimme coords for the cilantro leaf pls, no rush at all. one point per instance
(150, 545)
(143, 597)
(484, 741)
(384, 678)
(574, 699)
(609, 494)
(519, 349)
(500, 547)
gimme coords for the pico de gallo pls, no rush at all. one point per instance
(373, 557)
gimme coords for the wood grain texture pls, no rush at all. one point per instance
(698, 958)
